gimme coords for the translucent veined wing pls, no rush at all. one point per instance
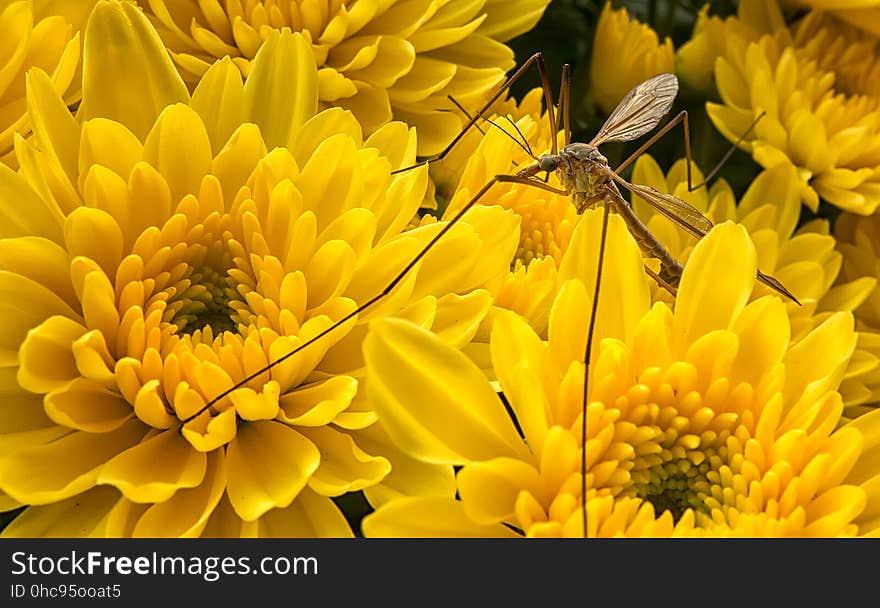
(640, 110)
(670, 206)
(690, 220)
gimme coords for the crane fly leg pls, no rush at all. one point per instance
(536, 59)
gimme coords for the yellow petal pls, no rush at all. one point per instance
(127, 74)
(39, 259)
(409, 476)
(344, 467)
(764, 333)
(268, 465)
(179, 148)
(66, 467)
(432, 400)
(428, 517)
(76, 517)
(820, 358)
(156, 468)
(94, 234)
(186, 513)
(23, 213)
(54, 126)
(521, 363)
(219, 101)
(25, 304)
(310, 516)
(87, 406)
(716, 284)
(489, 489)
(317, 404)
(109, 144)
(281, 92)
(624, 297)
(46, 355)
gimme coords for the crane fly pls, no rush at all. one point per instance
(588, 179)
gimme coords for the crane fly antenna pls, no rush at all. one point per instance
(524, 144)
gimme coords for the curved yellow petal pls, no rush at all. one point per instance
(432, 400)
(428, 517)
(25, 304)
(521, 363)
(624, 297)
(46, 355)
(281, 91)
(76, 517)
(344, 467)
(87, 406)
(179, 148)
(489, 489)
(42, 260)
(268, 465)
(65, 467)
(310, 516)
(54, 126)
(716, 283)
(127, 74)
(156, 468)
(23, 212)
(186, 513)
(409, 476)
(219, 101)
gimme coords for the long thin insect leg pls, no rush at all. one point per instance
(465, 112)
(588, 353)
(537, 59)
(682, 117)
(563, 108)
(530, 181)
(660, 281)
(362, 307)
(564, 102)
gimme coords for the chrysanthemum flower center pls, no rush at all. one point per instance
(210, 301)
(545, 229)
(676, 484)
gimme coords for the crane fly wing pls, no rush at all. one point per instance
(775, 285)
(690, 220)
(640, 110)
(669, 206)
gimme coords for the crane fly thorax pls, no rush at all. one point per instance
(582, 168)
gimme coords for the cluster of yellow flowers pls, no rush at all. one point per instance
(198, 199)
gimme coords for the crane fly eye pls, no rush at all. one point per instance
(548, 163)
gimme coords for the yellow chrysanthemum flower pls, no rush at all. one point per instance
(625, 53)
(42, 35)
(864, 14)
(804, 259)
(381, 60)
(695, 59)
(816, 87)
(155, 253)
(704, 421)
